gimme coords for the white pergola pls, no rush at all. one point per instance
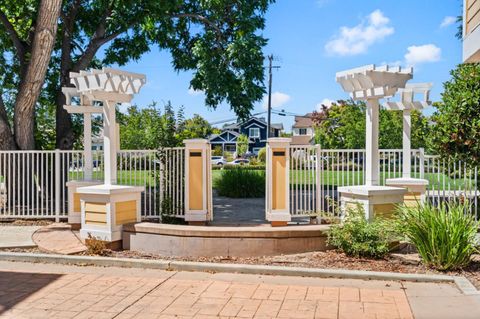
(370, 84)
(110, 87)
(406, 104)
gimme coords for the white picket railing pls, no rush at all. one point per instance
(32, 183)
(315, 175)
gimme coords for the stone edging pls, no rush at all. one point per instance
(462, 283)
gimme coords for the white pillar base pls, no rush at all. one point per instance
(416, 188)
(375, 200)
(105, 208)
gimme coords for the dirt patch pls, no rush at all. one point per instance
(26, 222)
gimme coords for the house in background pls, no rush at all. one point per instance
(471, 30)
(255, 128)
(303, 132)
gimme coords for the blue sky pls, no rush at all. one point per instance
(313, 39)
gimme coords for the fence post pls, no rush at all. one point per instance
(318, 186)
(278, 181)
(58, 171)
(422, 162)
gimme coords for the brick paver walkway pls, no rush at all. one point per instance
(53, 291)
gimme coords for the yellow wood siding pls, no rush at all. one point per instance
(383, 210)
(76, 203)
(412, 199)
(96, 213)
(126, 212)
(473, 15)
(278, 179)
(195, 181)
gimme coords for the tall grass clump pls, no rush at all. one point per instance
(445, 235)
(241, 183)
(357, 237)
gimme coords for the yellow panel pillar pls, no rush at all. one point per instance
(198, 188)
(278, 181)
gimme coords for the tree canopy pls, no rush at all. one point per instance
(342, 126)
(219, 41)
(456, 130)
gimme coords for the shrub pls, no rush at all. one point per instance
(96, 246)
(359, 238)
(262, 155)
(241, 183)
(444, 236)
(244, 167)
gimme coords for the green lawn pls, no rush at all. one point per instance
(328, 178)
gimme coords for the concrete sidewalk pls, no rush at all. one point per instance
(59, 291)
(17, 236)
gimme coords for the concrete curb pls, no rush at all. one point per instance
(462, 283)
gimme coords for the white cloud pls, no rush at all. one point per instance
(426, 53)
(278, 99)
(322, 3)
(327, 102)
(357, 39)
(447, 21)
(193, 92)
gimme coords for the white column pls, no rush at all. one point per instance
(407, 156)
(110, 143)
(371, 141)
(87, 146)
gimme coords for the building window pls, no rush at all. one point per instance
(302, 131)
(256, 150)
(254, 132)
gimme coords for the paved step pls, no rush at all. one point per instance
(58, 238)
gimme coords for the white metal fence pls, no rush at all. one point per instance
(315, 175)
(32, 183)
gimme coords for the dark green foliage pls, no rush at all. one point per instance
(457, 121)
(343, 126)
(237, 167)
(444, 236)
(241, 183)
(359, 238)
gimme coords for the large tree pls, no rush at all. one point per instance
(457, 121)
(27, 39)
(218, 40)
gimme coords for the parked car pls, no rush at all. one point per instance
(239, 161)
(218, 160)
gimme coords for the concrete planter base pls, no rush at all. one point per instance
(198, 241)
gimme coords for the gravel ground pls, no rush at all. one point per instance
(27, 222)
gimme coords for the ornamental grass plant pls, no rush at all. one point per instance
(444, 235)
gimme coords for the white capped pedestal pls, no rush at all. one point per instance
(74, 208)
(376, 200)
(416, 188)
(105, 208)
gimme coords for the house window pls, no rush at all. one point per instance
(254, 132)
(302, 131)
(256, 150)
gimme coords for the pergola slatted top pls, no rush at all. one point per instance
(407, 97)
(371, 82)
(108, 80)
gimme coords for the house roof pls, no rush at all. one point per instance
(236, 134)
(301, 140)
(303, 121)
(277, 126)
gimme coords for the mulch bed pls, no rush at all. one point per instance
(26, 222)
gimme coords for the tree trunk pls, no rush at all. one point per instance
(31, 84)
(7, 142)
(63, 125)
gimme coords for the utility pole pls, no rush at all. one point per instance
(270, 67)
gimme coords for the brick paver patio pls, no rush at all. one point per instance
(51, 291)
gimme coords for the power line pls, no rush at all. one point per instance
(270, 67)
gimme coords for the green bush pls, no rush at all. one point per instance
(444, 236)
(241, 183)
(234, 167)
(359, 238)
(262, 155)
